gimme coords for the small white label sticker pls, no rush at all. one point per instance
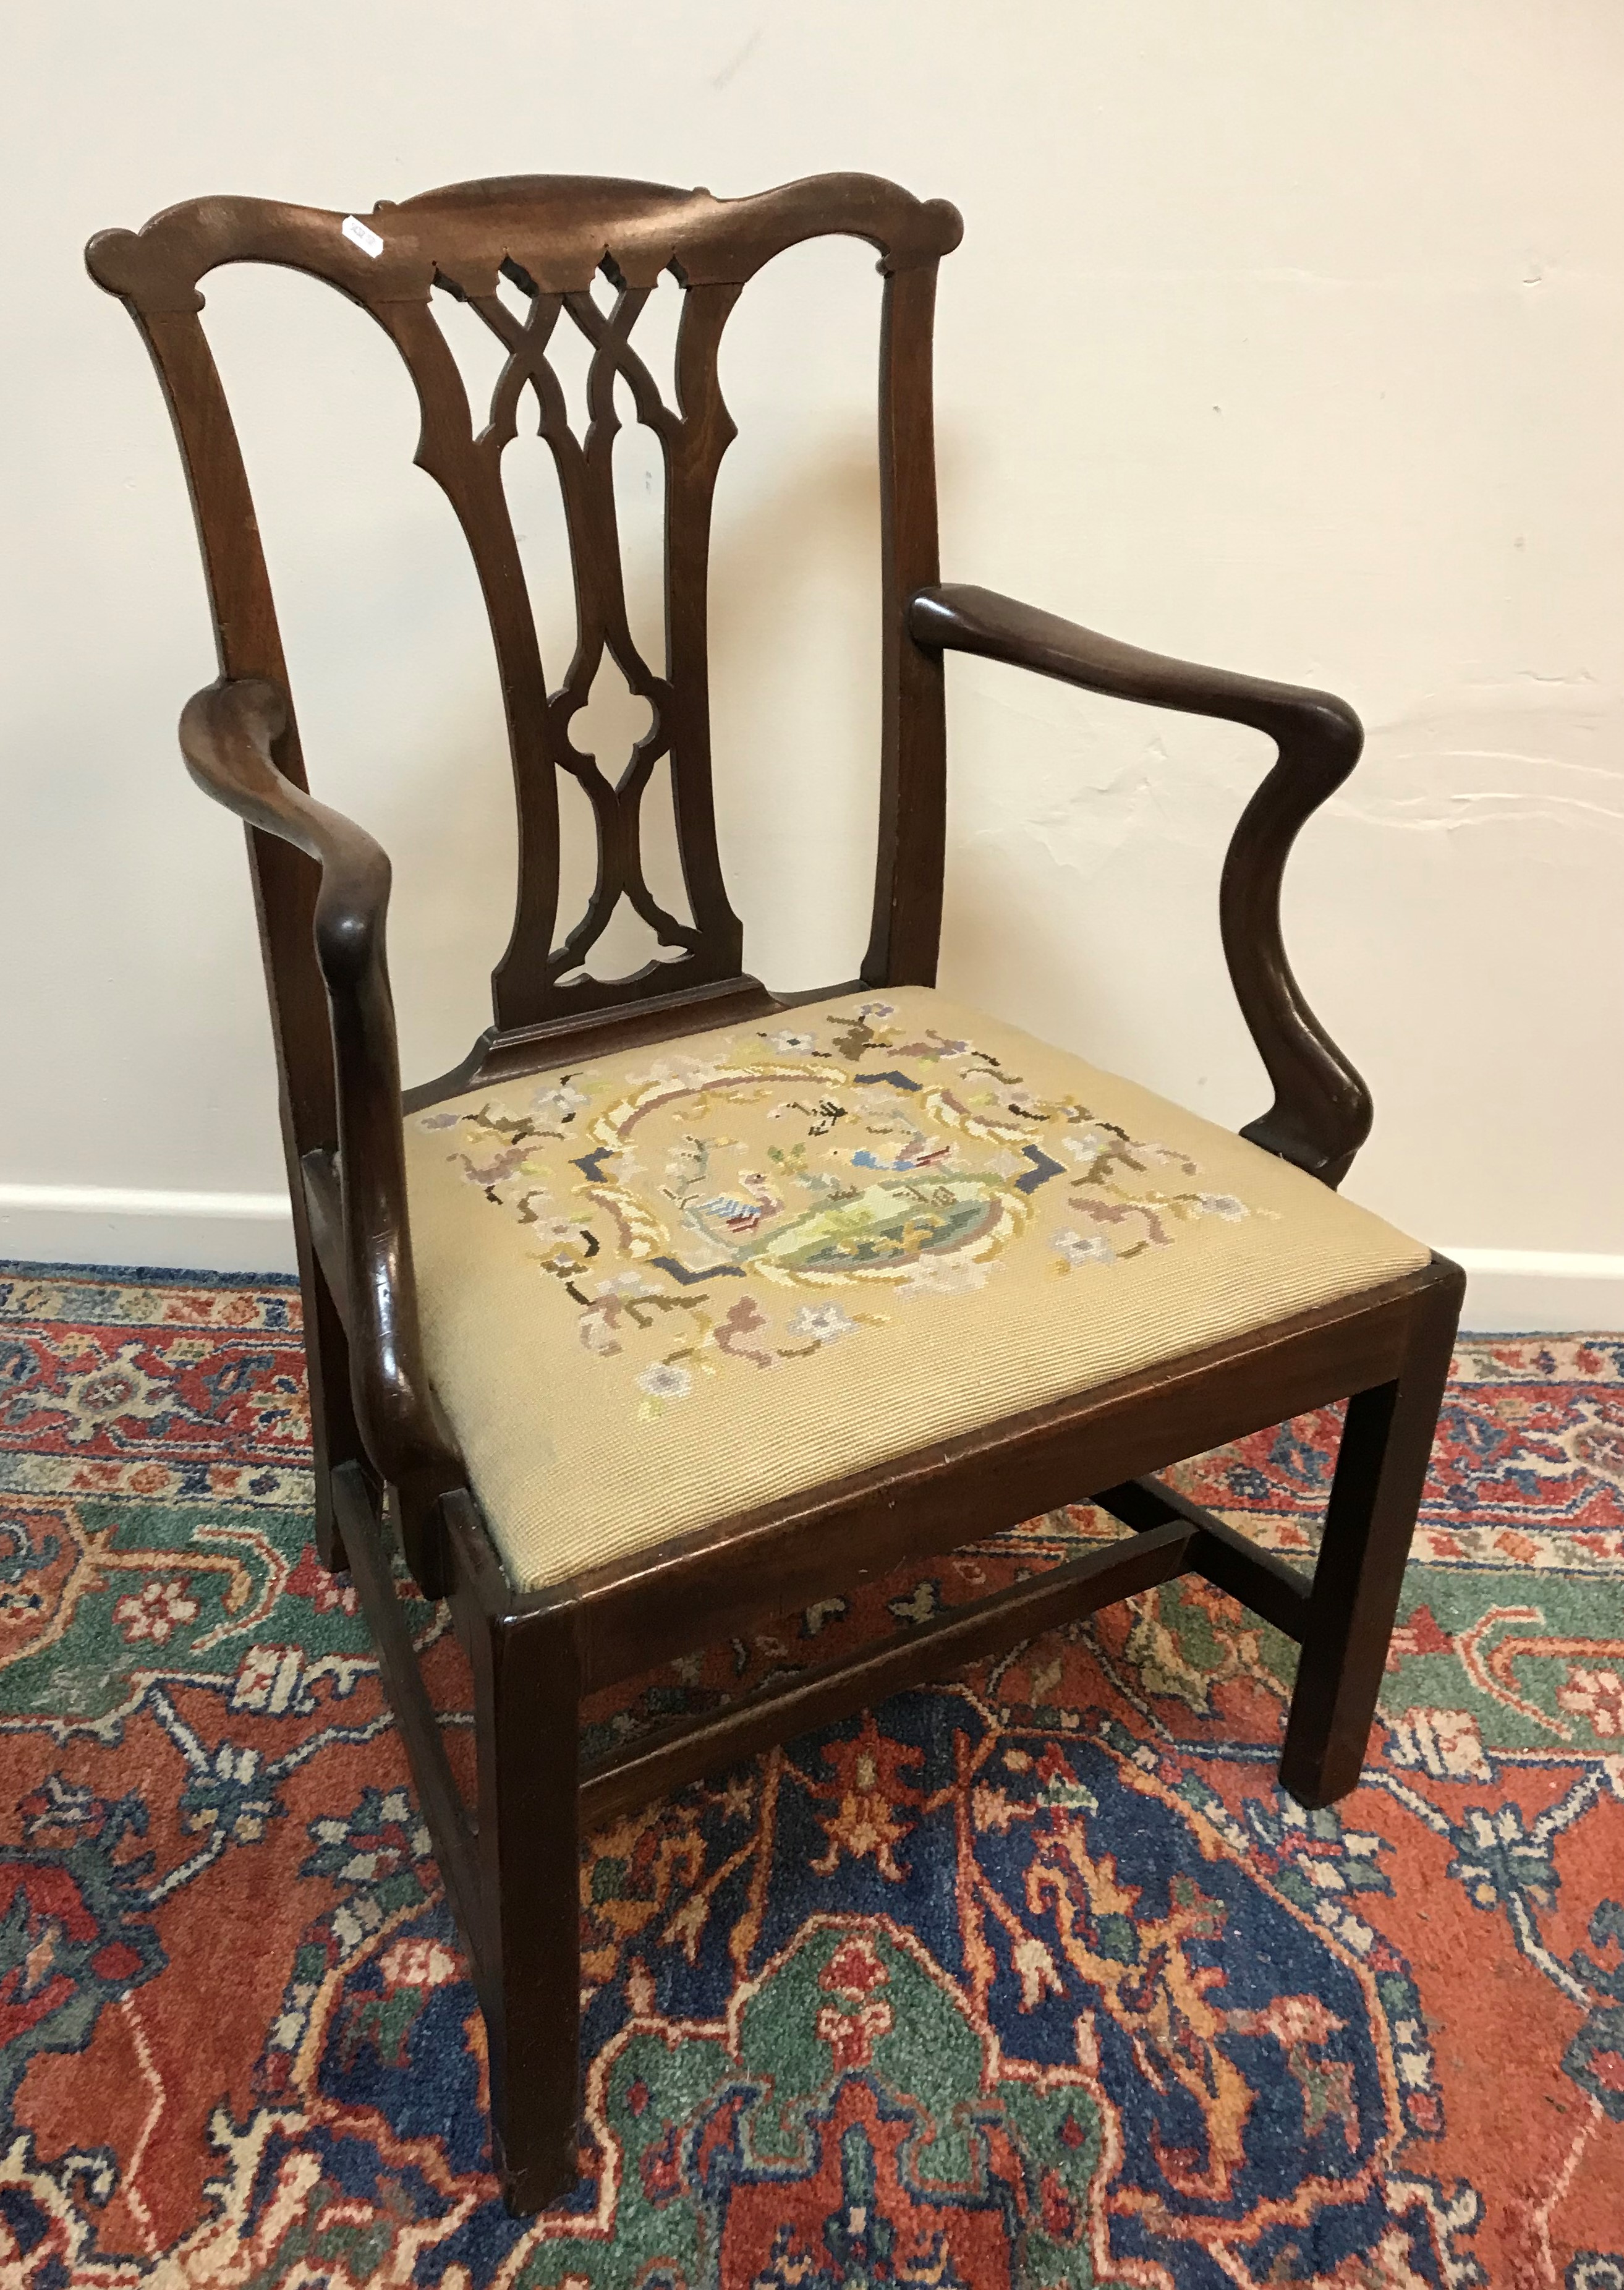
(358, 235)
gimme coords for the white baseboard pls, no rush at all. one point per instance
(108, 1224)
(1538, 1290)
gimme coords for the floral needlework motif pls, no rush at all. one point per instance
(797, 1186)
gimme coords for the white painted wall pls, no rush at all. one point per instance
(1287, 336)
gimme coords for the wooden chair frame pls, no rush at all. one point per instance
(381, 1444)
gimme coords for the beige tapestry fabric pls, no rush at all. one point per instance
(666, 1286)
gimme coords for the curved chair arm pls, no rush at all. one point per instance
(227, 734)
(1321, 1115)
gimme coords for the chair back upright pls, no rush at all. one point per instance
(550, 237)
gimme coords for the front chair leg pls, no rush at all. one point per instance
(526, 1714)
(1375, 1496)
(422, 1532)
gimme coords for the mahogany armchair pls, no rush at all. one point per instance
(679, 1304)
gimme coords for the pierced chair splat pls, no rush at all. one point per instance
(679, 1304)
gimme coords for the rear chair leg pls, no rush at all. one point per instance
(527, 1697)
(1375, 1495)
(335, 1436)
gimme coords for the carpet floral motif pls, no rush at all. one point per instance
(1028, 1982)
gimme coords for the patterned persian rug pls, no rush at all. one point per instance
(1030, 1982)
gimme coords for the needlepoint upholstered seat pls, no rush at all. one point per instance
(680, 1303)
(744, 1262)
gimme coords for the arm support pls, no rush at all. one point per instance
(1321, 1115)
(228, 735)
